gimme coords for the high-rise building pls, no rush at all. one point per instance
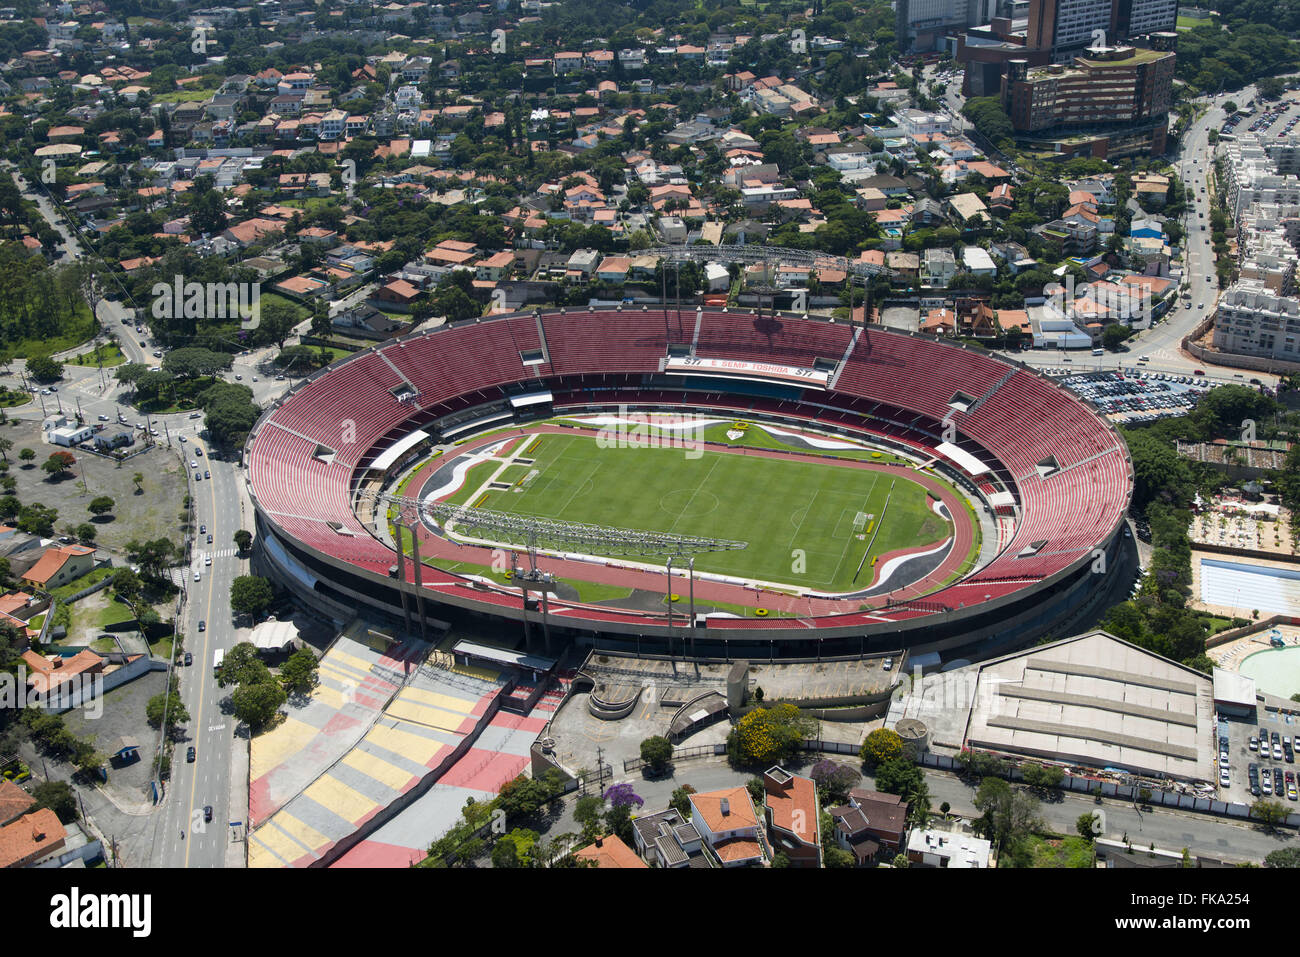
(922, 25)
(1110, 102)
(1054, 31)
(1066, 27)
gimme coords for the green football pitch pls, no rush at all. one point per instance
(808, 525)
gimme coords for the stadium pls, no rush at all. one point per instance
(704, 481)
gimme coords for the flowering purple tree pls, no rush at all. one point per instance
(834, 780)
(622, 795)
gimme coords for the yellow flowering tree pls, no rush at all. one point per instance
(766, 736)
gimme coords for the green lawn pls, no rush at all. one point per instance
(797, 517)
(85, 581)
(1057, 851)
(108, 355)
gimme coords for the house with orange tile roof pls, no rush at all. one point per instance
(46, 673)
(14, 802)
(793, 817)
(59, 565)
(30, 838)
(728, 826)
(610, 851)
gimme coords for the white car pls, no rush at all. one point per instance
(1224, 780)
(197, 576)
(207, 560)
(193, 464)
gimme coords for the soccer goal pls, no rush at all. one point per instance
(860, 522)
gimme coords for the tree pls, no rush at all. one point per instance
(900, 776)
(1113, 336)
(656, 752)
(1042, 776)
(250, 594)
(622, 795)
(1084, 824)
(681, 800)
(37, 519)
(900, 861)
(152, 556)
(521, 797)
(766, 736)
(85, 532)
(1269, 813)
(298, 674)
(834, 781)
(505, 854)
(100, 505)
(243, 539)
(27, 455)
(1283, 857)
(256, 704)
(44, 369)
(59, 463)
(587, 811)
(837, 857)
(243, 666)
(58, 797)
(171, 706)
(193, 362)
(881, 745)
(1009, 815)
(138, 481)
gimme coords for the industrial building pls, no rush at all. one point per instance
(1092, 702)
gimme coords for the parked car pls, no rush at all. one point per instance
(189, 755)
(189, 659)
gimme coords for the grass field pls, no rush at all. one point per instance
(797, 516)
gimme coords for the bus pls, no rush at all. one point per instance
(217, 656)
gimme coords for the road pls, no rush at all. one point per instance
(220, 509)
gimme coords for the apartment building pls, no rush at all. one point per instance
(1252, 320)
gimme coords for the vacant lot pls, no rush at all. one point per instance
(146, 513)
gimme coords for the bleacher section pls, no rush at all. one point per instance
(414, 736)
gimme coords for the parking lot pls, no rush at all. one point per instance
(1134, 395)
(1271, 764)
(1277, 118)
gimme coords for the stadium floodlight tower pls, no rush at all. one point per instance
(498, 529)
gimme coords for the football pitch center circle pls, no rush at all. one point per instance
(858, 522)
(695, 503)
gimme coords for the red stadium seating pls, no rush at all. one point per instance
(895, 386)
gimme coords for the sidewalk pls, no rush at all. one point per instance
(237, 849)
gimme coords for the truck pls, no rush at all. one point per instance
(217, 657)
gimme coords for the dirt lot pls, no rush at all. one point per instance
(151, 512)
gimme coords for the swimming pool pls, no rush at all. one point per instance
(1276, 670)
